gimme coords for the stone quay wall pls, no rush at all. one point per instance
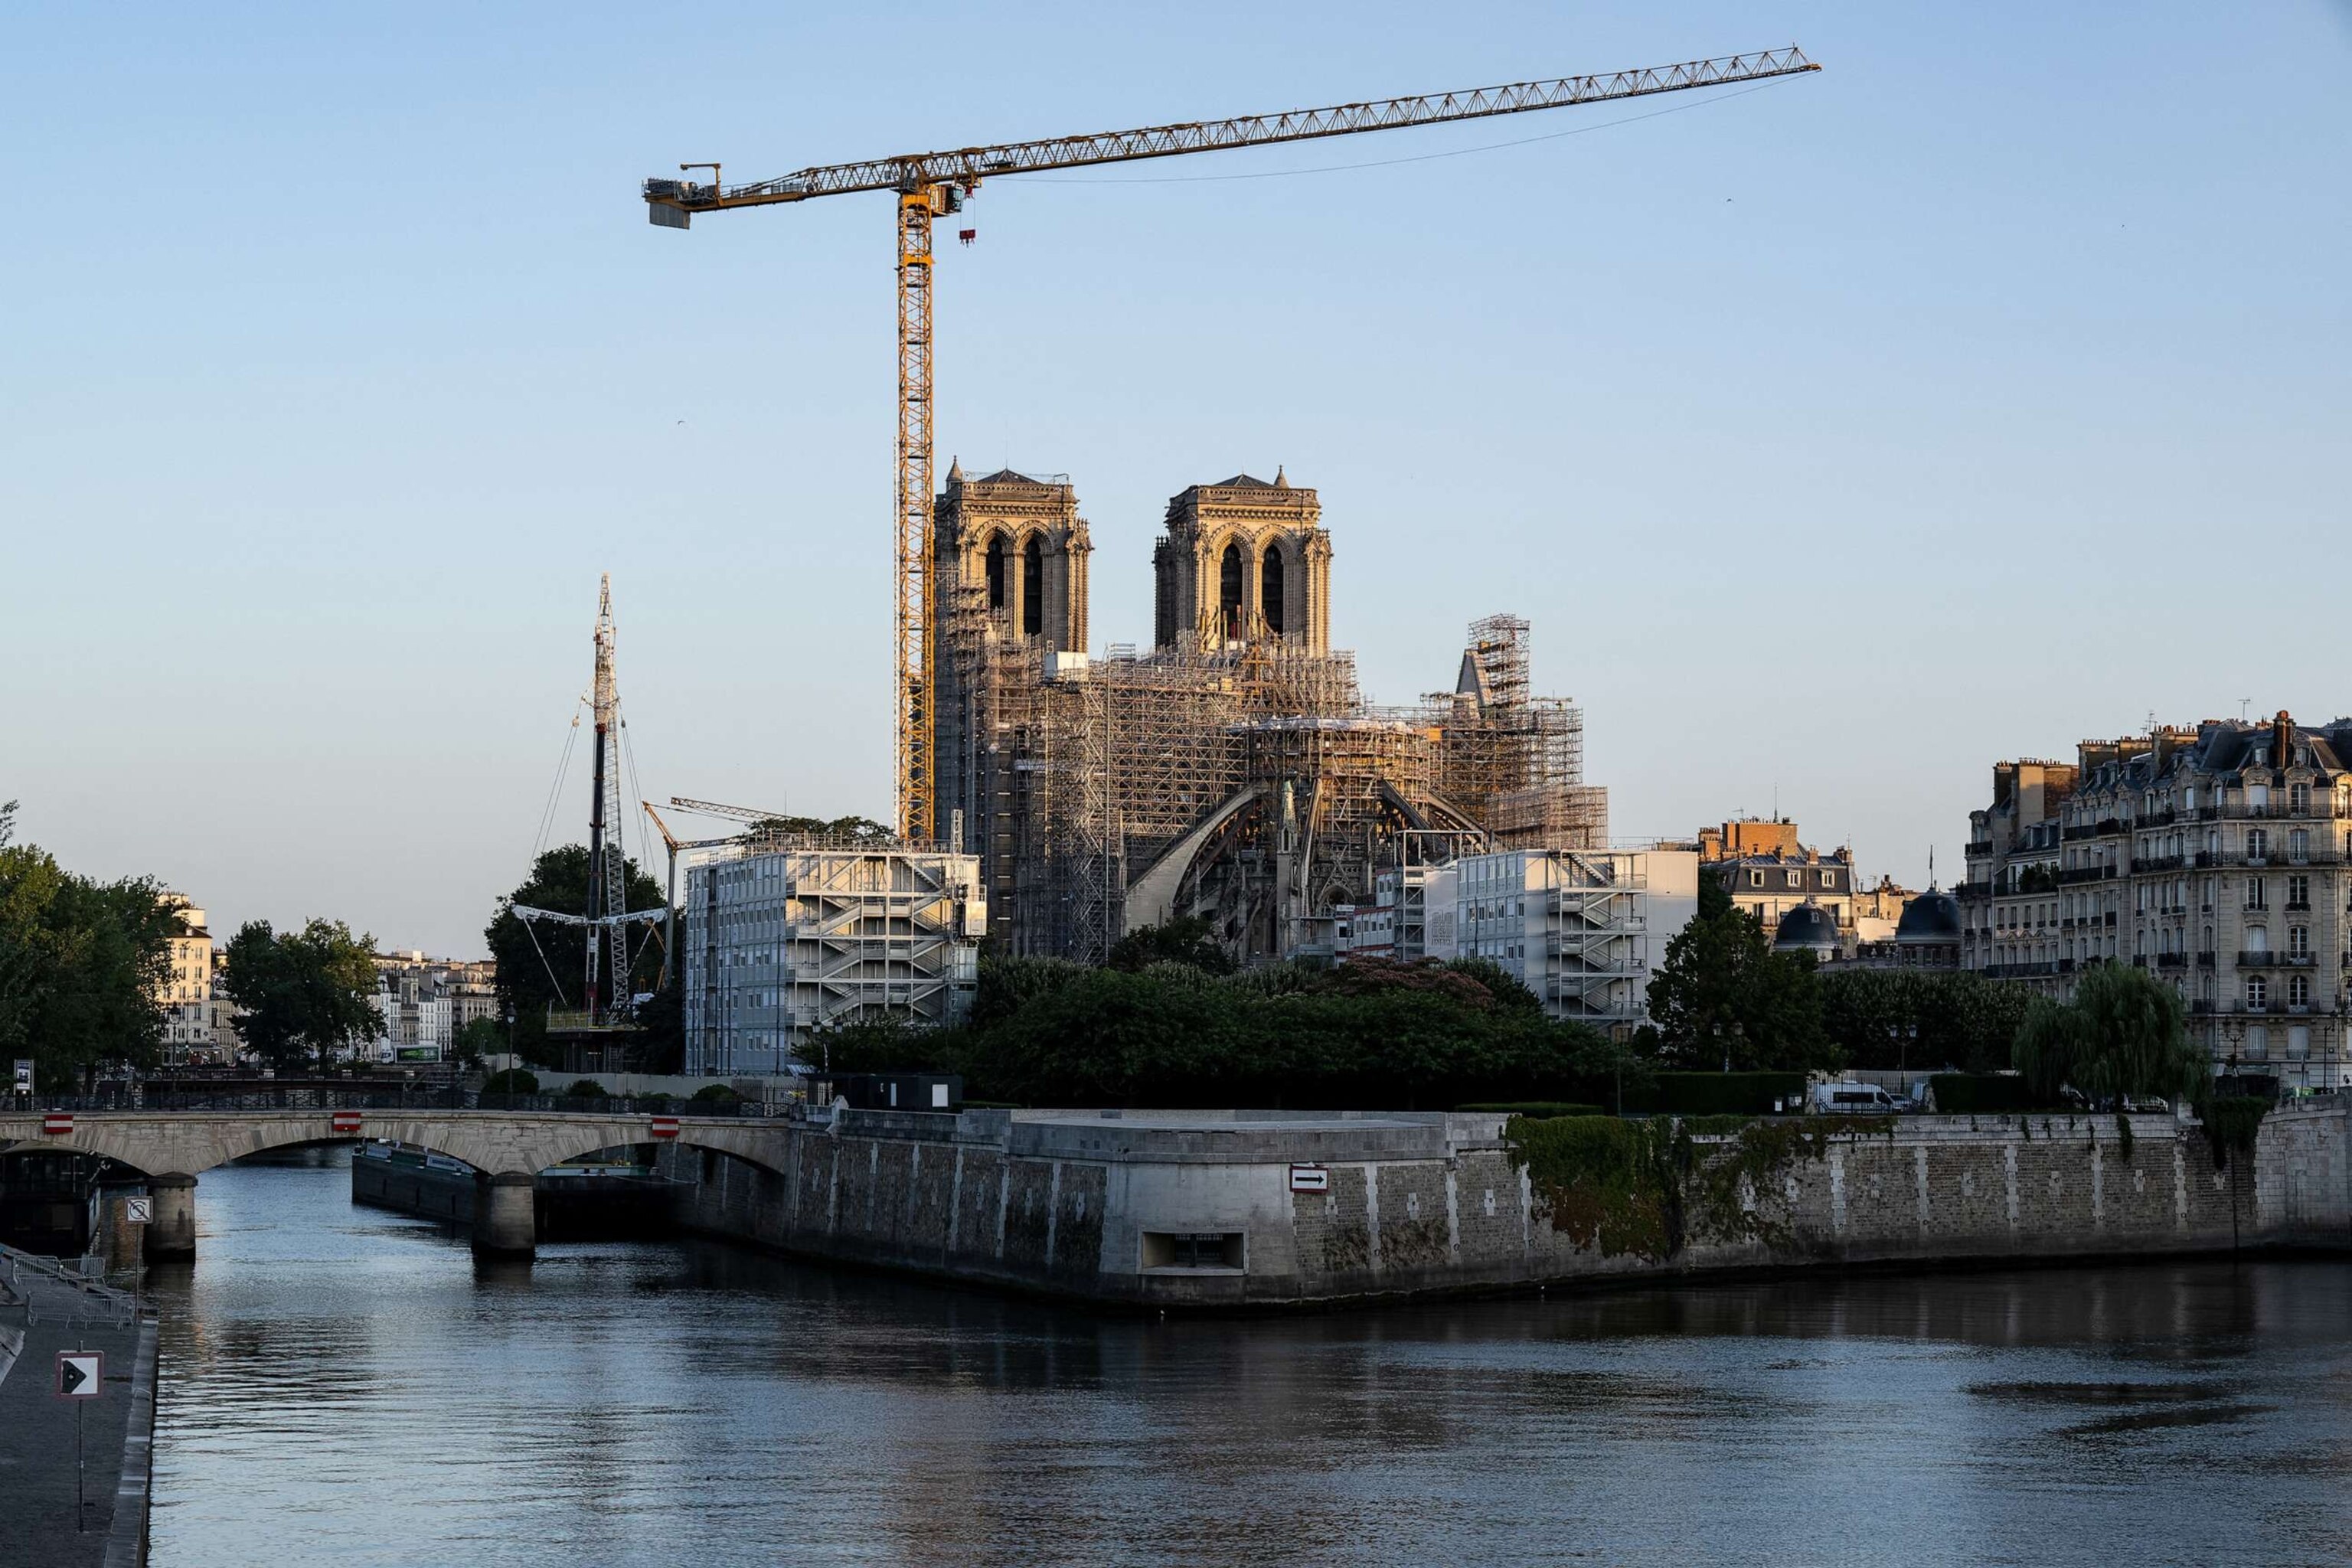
(1204, 1210)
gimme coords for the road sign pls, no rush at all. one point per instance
(56, 1124)
(137, 1211)
(80, 1374)
(1310, 1179)
(347, 1121)
(665, 1126)
(23, 1076)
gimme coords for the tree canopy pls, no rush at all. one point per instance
(81, 965)
(1921, 1018)
(1191, 939)
(542, 965)
(1723, 998)
(2124, 1032)
(308, 994)
(1361, 1035)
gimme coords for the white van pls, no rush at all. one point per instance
(1853, 1099)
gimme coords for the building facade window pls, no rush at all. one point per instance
(2257, 992)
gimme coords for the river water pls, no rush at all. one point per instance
(346, 1385)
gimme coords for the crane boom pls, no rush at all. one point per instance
(718, 808)
(930, 184)
(970, 165)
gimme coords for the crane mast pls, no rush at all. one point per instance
(608, 889)
(932, 184)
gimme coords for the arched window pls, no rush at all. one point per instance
(1033, 588)
(996, 570)
(1229, 591)
(1270, 590)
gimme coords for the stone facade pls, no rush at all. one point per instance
(2215, 857)
(1244, 561)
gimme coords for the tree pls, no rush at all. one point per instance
(1190, 940)
(1359, 1035)
(81, 965)
(542, 965)
(307, 995)
(1723, 998)
(479, 1038)
(2123, 1032)
(1921, 1018)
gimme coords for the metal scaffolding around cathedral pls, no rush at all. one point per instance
(1235, 770)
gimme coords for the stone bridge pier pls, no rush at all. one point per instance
(172, 1231)
(505, 1214)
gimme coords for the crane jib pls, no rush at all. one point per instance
(932, 184)
(970, 165)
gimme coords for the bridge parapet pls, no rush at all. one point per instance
(189, 1142)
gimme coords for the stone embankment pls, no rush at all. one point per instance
(1204, 1210)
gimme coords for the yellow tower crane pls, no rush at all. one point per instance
(933, 184)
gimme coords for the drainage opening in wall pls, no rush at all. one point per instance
(1192, 1250)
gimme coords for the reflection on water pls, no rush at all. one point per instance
(346, 1385)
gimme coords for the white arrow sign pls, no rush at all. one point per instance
(80, 1374)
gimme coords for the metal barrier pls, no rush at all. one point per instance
(90, 1304)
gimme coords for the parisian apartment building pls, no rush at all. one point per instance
(2212, 856)
(422, 1004)
(185, 990)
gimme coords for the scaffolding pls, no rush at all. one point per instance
(1077, 775)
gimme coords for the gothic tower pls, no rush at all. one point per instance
(1021, 542)
(1244, 561)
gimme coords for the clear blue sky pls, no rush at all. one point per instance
(1985, 391)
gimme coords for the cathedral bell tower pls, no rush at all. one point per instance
(1243, 562)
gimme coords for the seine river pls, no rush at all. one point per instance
(343, 1386)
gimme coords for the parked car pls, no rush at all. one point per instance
(1853, 1099)
(1905, 1105)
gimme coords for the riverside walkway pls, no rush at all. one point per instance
(46, 1308)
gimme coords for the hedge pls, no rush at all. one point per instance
(1717, 1093)
(513, 1081)
(1982, 1094)
(1536, 1109)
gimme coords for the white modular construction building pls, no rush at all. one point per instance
(785, 935)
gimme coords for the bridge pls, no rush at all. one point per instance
(175, 1144)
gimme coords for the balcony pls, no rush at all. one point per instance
(2172, 961)
(2073, 874)
(2258, 960)
(2160, 863)
(1979, 848)
(2205, 961)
